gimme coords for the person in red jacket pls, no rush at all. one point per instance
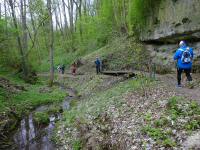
(73, 69)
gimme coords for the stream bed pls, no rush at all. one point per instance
(30, 136)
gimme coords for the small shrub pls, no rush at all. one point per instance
(193, 105)
(169, 143)
(41, 118)
(54, 109)
(161, 122)
(155, 133)
(148, 117)
(77, 145)
(73, 103)
(192, 125)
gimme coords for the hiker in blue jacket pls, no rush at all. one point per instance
(98, 65)
(184, 57)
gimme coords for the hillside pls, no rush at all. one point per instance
(138, 113)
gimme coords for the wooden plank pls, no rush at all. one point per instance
(118, 73)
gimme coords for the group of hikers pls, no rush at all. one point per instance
(98, 64)
(183, 55)
(61, 69)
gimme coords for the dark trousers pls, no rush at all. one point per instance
(187, 72)
(98, 69)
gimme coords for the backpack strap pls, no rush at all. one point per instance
(180, 49)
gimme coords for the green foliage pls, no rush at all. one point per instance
(8, 57)
(54, 109)
(179, 115)
(29, 99)
(99, 100)
(70, 116)
(148, 117)
(161, 122)
(77, 145)
(33, 97)
(139, 11)
(169, 143)
(193, 125)
(41, 118)
(97, 26)
(73, 103)
(160, 135)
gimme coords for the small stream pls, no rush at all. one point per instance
(31, 137)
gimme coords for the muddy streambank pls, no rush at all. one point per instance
(28, 135)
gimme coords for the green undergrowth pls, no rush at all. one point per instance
(24, 101)
(179, 115)
(98, 102)
(120, 54)
(41, 118)
(92, 105)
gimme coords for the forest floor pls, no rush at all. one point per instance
(137, 113)
(115, 112)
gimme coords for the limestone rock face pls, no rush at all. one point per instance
(172, 21)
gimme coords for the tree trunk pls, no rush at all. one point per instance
(65, 16)
(124, 16)
(6, 18)
(71, 19)
(22, 56)
(58, 23)
(36, 42)
(25, 32)
(51, 43)
(60, 20)
(80, 16)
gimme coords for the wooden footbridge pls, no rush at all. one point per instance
(119, 73)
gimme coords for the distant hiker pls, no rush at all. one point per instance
(59, 69)
(73, 69)
(98, 65)
(184, 57)
(63, 69)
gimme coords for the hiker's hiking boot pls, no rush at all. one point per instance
(179, 86)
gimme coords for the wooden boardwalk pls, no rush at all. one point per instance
(119, 73)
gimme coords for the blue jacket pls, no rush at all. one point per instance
(97, 62)
(178, 55)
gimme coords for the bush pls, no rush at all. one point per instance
(41, 118)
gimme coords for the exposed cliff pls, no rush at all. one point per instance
(172, 21)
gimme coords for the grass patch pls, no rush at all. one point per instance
(77, 145)
(41, 118)
(119, 54)
(54, 109)
(33, 98)
(180, 115)
(27, 100)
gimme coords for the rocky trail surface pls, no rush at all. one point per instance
(192, 91)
